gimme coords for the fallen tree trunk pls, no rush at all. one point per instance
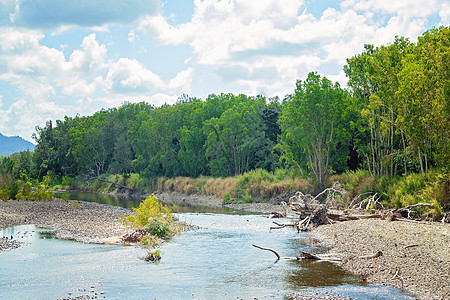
(312, 214)
(408, 208)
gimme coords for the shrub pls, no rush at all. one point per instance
(227, 198)
(158, 226)
(149, 240)
(246, 199)
(153, 256)
(152, 216)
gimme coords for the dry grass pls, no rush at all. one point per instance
(258, 184)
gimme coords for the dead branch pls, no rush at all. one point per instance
(395, 218)
(280, 226)
(301, 226)
(267, 249)
(283, 225)
(356, 199)
(303, 255)
(397, 276)
(375, 255)
(115, 183)
(410, 246)
(307, 255)
(415, 205)
(409, 207)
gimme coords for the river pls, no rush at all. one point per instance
(216, 261)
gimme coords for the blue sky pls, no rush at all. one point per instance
(62, 58)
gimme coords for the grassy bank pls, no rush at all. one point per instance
(262, 186)
(254, 186)
(401, 191)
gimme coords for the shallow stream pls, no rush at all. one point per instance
(215, 262)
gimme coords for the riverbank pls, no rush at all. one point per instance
(417, 254)
(180, 199)
(85, 222)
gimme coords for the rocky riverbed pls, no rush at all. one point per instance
(415, 256)
(85, 222)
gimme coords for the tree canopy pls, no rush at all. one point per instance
(392, 119)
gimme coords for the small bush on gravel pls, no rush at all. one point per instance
(151, 216)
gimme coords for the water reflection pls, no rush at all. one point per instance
(308, 273)
(215, 262)
(113, 200)
(134, 201)
(26, 233)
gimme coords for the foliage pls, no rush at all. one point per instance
(74, 203)
(313, 122)
(152, 216)
(401, 191)
(355, 182)
(392, 122)
(426, 188)
(227, 198)
(158, 226)
(149, 240)
(424, 93)
(153, 256)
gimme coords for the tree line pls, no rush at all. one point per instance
(392, 119)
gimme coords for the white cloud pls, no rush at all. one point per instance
(416, 8)
(132, 37)
(91, 57)
(182, 81)
(246, 36)
(79, 88)
(160, 99)
(128, 75)
(444, 13)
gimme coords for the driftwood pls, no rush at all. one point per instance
(408, 210)
(312, 214)
(370, 256)
(411, 246)
(279, 226)
(302, 256)
(397, 276)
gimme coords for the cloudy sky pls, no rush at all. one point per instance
(60, 57)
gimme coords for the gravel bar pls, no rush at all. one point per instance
(86, 222)
(416, 256)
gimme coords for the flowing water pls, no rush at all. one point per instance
(215, 262)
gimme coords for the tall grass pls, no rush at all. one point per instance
(256, 185)
(401, 191)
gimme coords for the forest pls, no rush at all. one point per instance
(392, 120)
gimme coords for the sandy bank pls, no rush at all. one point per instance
(419, 252)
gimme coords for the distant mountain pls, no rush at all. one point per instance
(11, 144)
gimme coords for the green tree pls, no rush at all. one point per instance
(236, 141)
(424, 93)
(373, 79)
(312, 125)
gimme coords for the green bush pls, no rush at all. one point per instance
(227, 198)
(246, 199)
(158, 226)
(152, 216)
